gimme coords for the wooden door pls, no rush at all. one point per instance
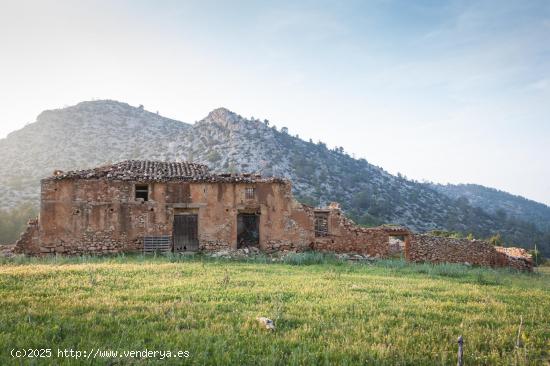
(185, 233)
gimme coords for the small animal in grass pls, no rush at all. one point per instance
(266, 322)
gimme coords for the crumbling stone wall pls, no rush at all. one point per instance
(28, 242)
(346, 237)
(80, 216)
(517, 258)
(435, 249)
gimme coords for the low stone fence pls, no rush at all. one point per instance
(436, 249)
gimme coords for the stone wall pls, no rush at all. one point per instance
(28, 242)
(517, 258)
(347, 237)
(435, 249)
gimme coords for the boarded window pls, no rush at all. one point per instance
(249, 193)
(142, 192)
(321, 224)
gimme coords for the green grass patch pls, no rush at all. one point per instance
(326, 311)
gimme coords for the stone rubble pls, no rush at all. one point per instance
(266, 322)
(7, 251)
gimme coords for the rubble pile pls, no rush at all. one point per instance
(7, 251)
(517, 258)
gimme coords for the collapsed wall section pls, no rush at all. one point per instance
(516, 258)
(344, 236)
(28, 242)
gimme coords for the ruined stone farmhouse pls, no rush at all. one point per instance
(180, 206)
(147, 206)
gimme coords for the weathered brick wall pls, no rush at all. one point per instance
(435, 249)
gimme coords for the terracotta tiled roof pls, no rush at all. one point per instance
(146, 170)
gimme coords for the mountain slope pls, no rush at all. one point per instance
(84, 135)
(93, 133)
(502, 204)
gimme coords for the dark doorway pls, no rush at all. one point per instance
(248, 230)
(185, 233)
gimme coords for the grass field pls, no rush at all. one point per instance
(325, 311)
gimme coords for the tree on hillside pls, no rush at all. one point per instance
(496, 240)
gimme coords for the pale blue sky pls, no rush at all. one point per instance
(455, 91)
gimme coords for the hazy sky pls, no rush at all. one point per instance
(455, 91)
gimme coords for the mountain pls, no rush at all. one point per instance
(502, 204)
(84, 135)
(99, 132)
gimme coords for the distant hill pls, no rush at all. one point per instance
(502, 204)
(98, 132)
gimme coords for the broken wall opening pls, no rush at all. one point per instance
(397, 244)
(321, 223)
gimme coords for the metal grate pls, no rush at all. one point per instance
(153, 244)
(249, 193)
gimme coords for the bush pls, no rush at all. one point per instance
(496, 240)
(538, 258)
